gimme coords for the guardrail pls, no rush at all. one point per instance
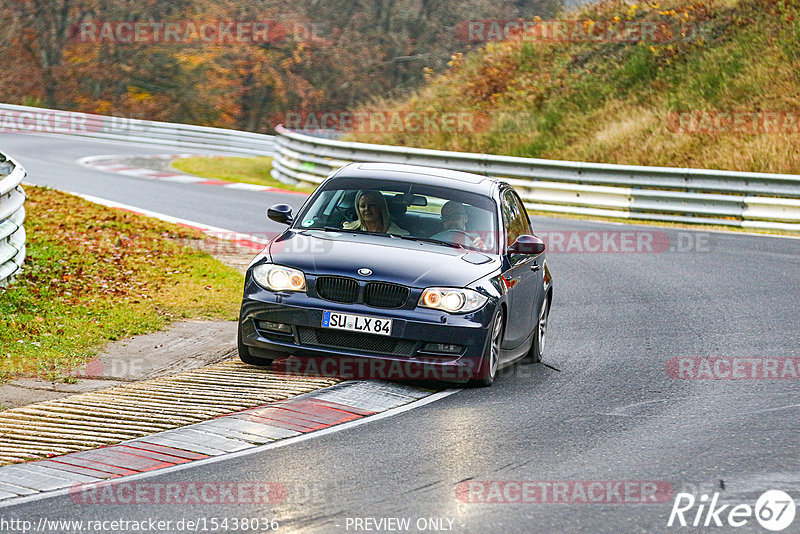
(665, 194)
(12, 215)
(25, 119)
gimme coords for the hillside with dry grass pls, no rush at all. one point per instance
(721, 91)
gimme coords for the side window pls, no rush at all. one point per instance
(523, 213)
(514, 218)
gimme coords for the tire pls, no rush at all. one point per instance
(491, 355)
(540, 335)
(246, 357)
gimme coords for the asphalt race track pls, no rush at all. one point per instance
(51, 161)
(616, 409)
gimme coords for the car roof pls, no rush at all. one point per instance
(418, 174)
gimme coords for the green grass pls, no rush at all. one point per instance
(93, 275)
(233, 169)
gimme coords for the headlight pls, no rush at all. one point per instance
(278, 278)
(452, 300)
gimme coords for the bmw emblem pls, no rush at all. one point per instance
(364, 271)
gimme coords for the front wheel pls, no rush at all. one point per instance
(537, 348)
(246, 357)
(491, 356)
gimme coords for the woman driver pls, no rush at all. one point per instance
(373, 214)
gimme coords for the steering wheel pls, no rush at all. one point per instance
(347, 213)
(462, 232)
(473, 240)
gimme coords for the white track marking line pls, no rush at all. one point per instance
(181, 179)
(249, 187)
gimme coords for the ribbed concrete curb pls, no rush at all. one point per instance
(109, 416)
(233, 433)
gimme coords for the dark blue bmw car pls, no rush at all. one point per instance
(399, 272)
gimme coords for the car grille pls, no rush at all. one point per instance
(382, 295)
(337, 289)
(353, 341)
(376, 294)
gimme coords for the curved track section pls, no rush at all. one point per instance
(637, 392)
(52, 161)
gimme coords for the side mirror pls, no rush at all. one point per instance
(527, 244)
(281, 213)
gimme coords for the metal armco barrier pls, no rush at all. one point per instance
(25, 119)
(12, 215)
(700, 196)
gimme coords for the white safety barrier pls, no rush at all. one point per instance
(12, 215)
(700, 196)
(25, 119)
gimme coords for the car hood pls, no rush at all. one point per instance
(401, 261)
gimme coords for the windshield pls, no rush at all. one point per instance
(438, 215)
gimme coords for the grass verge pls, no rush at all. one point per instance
(95, 274)
(232, 169)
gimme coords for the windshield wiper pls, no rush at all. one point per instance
(407, 237)
(331, 229)
(349, 231)
(427, 240)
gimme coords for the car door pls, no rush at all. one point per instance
(523, 275)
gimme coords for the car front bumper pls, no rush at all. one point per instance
(405, 354)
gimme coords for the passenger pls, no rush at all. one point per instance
(373, 214)
(454, 219)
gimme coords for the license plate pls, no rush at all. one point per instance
(357, 323)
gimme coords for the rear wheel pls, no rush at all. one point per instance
(491, 356)
(539, 336)
(246, 357)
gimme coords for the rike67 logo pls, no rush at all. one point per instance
(774, 510)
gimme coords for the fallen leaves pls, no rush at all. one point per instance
(95, 274)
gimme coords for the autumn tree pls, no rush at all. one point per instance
(335, 55)
(42, 29)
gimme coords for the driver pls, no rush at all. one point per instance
(454, 219)
(373, 214)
